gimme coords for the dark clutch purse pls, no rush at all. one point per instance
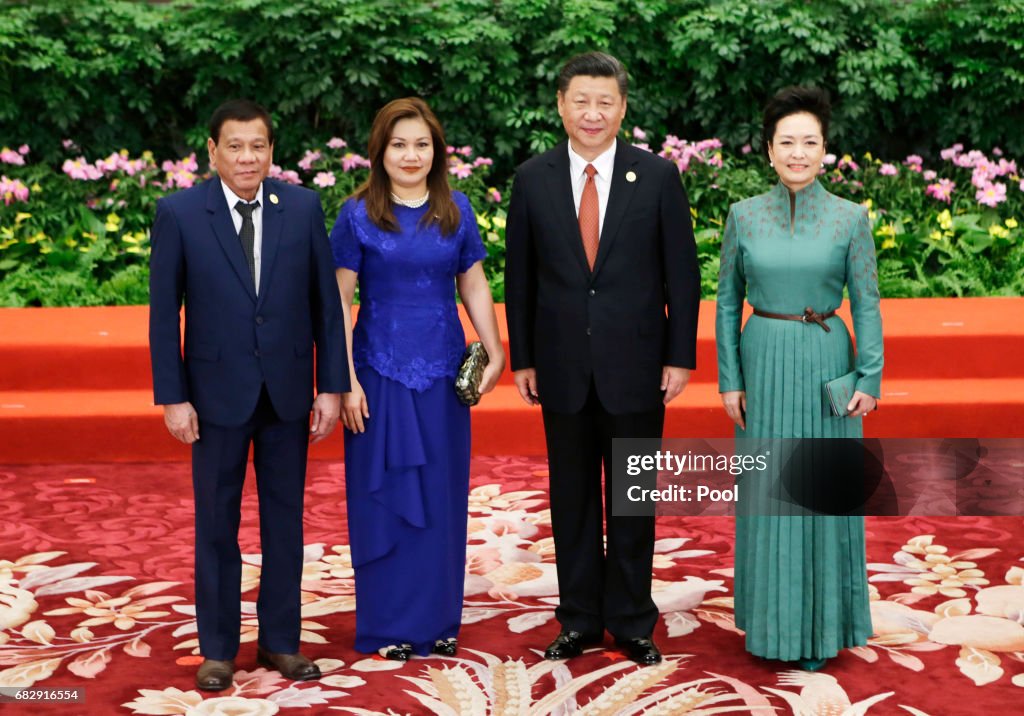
(840, 393)
(471, 372)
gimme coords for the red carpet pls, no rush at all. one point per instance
(95, 592)
(75, 384)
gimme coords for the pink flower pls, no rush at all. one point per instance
(81, 170)
(997, 151)
(952, 152)
(68, 143)
(465, 151)
(1005, 167)
(289, 177)
(980, 177)
(324, 179)
(643, 145)
(23, 149)
(991, 194)
(459, 168)
(353, 161)
(941, 190)
(12, 190)
(9, 156)
(747, 149)
(449, 149)
(482, 162)
(929, 174)
(337, 143)
(847, 163)
(914, 163)
(493, 195)
(888, 170)
(639, 134)
(1022, 185)
(306, 163)
(828, 160)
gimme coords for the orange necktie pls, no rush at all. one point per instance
(590, 223)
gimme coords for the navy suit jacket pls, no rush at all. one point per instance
(236, 340)
(620, 323)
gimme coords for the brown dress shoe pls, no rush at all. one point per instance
(292, 666)
(215, 675)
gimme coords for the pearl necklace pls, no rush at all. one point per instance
(410, 203)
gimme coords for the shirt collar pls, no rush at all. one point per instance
(233, 198)
(603, 163)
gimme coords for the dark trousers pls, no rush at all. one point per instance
(598, 590)
(219, 460)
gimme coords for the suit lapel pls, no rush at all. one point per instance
(224, 230)
(273, 221)
(620, 194)
(560, 190)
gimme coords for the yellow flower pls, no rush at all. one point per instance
(867, 202)
(45, 249)
(147, 155)
(70, 243)
(872, 215)
(888, 229)
(847, 158)
(21, 216)
(889, 244)
(945, 219)
(935, 236)
(1011, 223)
(36, 188)
(693, 212)
(867, 155)
(129, 239)
(499, 222)
(89, 235)
(998, 231)
(113, 219)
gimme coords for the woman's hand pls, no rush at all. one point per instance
(354, 409)
(861, 404)
(735, 402)
(492, 373)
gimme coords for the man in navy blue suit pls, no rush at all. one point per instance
(249, 257)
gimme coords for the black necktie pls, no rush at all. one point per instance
(248, 235)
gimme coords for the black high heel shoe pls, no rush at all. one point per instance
(400, 652)
(445, 647)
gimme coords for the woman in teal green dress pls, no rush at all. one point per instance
(801, 591)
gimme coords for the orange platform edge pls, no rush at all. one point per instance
(75, 383)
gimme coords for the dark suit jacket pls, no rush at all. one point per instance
(609, 325)
(235, 341)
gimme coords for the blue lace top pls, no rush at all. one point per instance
(408, 327)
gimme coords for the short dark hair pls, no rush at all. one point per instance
(241, 110)
(593, 64)
(793, 100)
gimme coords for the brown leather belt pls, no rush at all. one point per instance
(808, 316)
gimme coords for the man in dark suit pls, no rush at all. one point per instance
(602, 292)
(251, 260)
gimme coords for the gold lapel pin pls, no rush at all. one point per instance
(631, 177)
(274, 199)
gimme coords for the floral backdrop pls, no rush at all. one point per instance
(95, 592)
(77, 234)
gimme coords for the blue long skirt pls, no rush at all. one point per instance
(407, 489)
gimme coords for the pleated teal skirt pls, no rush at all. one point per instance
(801, 588)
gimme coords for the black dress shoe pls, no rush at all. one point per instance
(291, 666)
(445, 647)
(643, 651)
(401, 652)
(568, 644)
(215, 675)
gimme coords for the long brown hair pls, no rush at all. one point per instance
(376, 190)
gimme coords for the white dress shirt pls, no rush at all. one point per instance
(257, 222)
(604, 163)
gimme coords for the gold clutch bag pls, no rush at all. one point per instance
(471, 372)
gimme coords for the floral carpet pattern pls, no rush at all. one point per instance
(96, 593)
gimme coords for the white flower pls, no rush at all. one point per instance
(234, 706)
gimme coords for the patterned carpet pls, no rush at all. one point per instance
(95, 592)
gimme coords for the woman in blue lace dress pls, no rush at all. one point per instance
(408, 241)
